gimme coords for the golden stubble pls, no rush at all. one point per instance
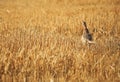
(41, 42)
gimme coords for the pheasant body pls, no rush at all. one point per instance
(86, 36)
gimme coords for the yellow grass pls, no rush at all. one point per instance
(40, 41)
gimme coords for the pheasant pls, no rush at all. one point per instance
(86, 36)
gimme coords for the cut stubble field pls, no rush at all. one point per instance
(41, 42)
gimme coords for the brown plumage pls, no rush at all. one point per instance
(86, 36)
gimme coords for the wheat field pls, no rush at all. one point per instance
(40, 41)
